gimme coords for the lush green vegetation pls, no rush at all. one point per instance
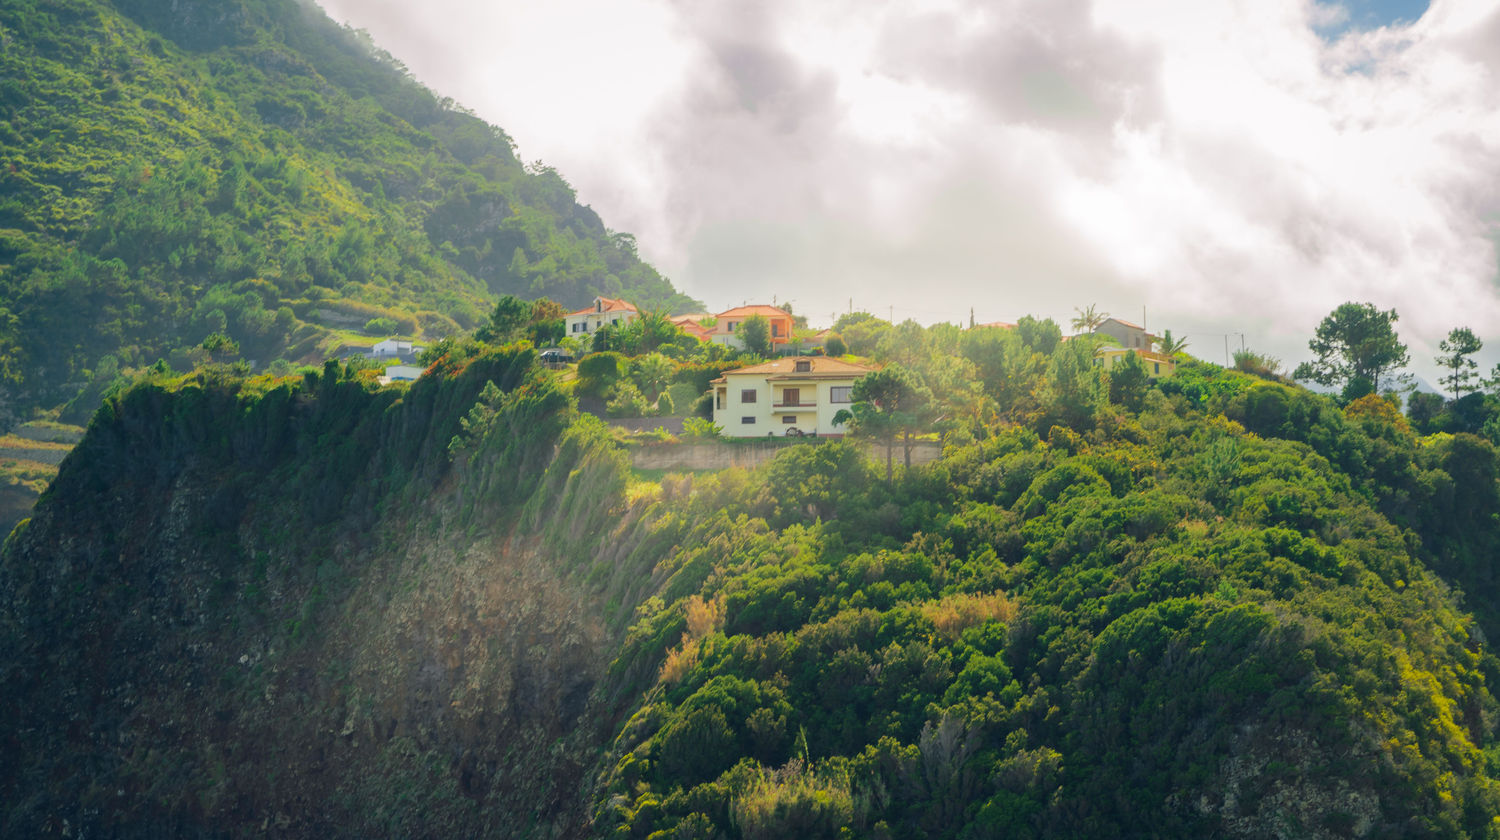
(1204, 605)
(1215, 604)
(252, 170)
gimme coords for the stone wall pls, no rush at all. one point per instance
(716, 455)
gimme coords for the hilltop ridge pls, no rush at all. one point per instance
(252, 169)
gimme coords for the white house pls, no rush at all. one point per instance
(605, 310)
(395, 347)
(790, 396)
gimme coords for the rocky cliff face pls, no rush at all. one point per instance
(288, 615)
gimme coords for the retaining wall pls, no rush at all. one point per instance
(713, 455)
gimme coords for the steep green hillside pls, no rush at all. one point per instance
(1210, 606)
(287, 604)
(168, 171)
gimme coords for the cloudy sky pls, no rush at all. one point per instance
(1231, 166)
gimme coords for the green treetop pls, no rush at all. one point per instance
(1457, 348)
(1357, 349)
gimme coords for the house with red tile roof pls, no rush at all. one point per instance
(604, 312)
(689, 324)
(725, 331)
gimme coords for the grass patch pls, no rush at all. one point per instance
(638, 475)
(15, 441)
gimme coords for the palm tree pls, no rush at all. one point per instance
(1089, 319)
(1169, 345)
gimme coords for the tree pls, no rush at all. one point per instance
(1041, 336)
(220, 347)
(755, 332)
(887, 402)
(380, 326)
(1357, 349)
(1457, 348)
(508, 319)
(1089, 319)
(598, 372)
(547, 325)
(652, 373)
(1128, 381)
(626, 400)
(1425, 411)
(1169, 345)
(834, 345)
(606, 339)
(1073, 389)
(861, 331)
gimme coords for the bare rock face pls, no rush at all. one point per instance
(1276, 783)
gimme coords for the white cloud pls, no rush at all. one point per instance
(1217, 162)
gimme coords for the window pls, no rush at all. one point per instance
(841, 394)
(580, 327)
(776, 329)
(803, 366)
(747, 395)
(788, 420)
(719, 400)
(731, 325)
(747, 421)
(1156, 366)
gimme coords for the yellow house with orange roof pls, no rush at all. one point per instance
(604, 312)
(1157, 364)
(792, 396)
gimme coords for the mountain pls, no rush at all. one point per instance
(247, 167)
(1212, 605)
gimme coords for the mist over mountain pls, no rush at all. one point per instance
(249, 168)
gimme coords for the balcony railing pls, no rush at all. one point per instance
(786, 405)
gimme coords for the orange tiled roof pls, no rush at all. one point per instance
(1004, 325)
(786, 368)
(606, 305)
(756, 309)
